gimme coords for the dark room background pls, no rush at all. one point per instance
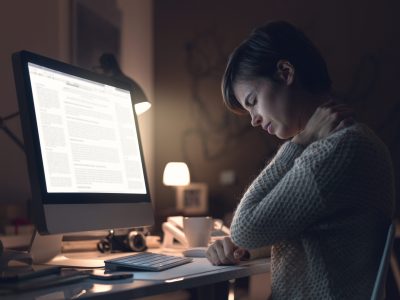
(191, 40)
(359, 40)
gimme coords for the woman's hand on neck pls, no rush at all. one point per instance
(321, 116)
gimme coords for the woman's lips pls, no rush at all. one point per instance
(269, 128)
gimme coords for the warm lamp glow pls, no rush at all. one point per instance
(176, 173)
(141, 107)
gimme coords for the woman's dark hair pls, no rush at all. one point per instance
(258, 55)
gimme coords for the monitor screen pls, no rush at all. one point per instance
(83, 147)
(87, 134)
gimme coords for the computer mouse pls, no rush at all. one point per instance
(195, 252)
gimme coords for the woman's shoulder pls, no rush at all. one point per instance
(356, 139)
(357, 135)
(353, 148)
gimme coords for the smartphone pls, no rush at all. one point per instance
(109, 275)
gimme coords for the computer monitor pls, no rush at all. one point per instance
(83, 148)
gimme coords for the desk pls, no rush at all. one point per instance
(214, 278)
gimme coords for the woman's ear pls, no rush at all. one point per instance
(285, 71)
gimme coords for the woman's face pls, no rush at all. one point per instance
(270, 105)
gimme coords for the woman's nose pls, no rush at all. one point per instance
(256, 120)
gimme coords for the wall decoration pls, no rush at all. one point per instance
(192, 199)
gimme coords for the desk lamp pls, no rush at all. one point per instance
(110, 67)
(7, 255)
(11, 135)
(176, 174)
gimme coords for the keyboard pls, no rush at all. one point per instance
(146, 261)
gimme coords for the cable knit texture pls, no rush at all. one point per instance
(325, 210)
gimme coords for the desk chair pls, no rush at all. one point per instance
(378, 293)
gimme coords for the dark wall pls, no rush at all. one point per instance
(38, 26)
(360, 41)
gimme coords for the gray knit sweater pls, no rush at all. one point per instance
(325, 209)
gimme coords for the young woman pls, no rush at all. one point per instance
(326, 199)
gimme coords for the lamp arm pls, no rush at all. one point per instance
(11, 135)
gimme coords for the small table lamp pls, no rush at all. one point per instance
(176, 174)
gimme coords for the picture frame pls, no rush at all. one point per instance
(192, 199)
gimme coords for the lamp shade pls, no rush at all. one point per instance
(141, 107)
(139, 98)
(176, 174)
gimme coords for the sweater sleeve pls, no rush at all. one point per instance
(274, 209)
(278, 167)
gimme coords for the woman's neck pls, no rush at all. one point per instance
(309, 103)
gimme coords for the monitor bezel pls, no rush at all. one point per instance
(31, 136)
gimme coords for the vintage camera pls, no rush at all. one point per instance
(123, 240)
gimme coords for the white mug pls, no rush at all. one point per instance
(197, 230)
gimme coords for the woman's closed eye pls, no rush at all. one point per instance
(250, 102)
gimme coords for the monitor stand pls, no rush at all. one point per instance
(46, 249)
